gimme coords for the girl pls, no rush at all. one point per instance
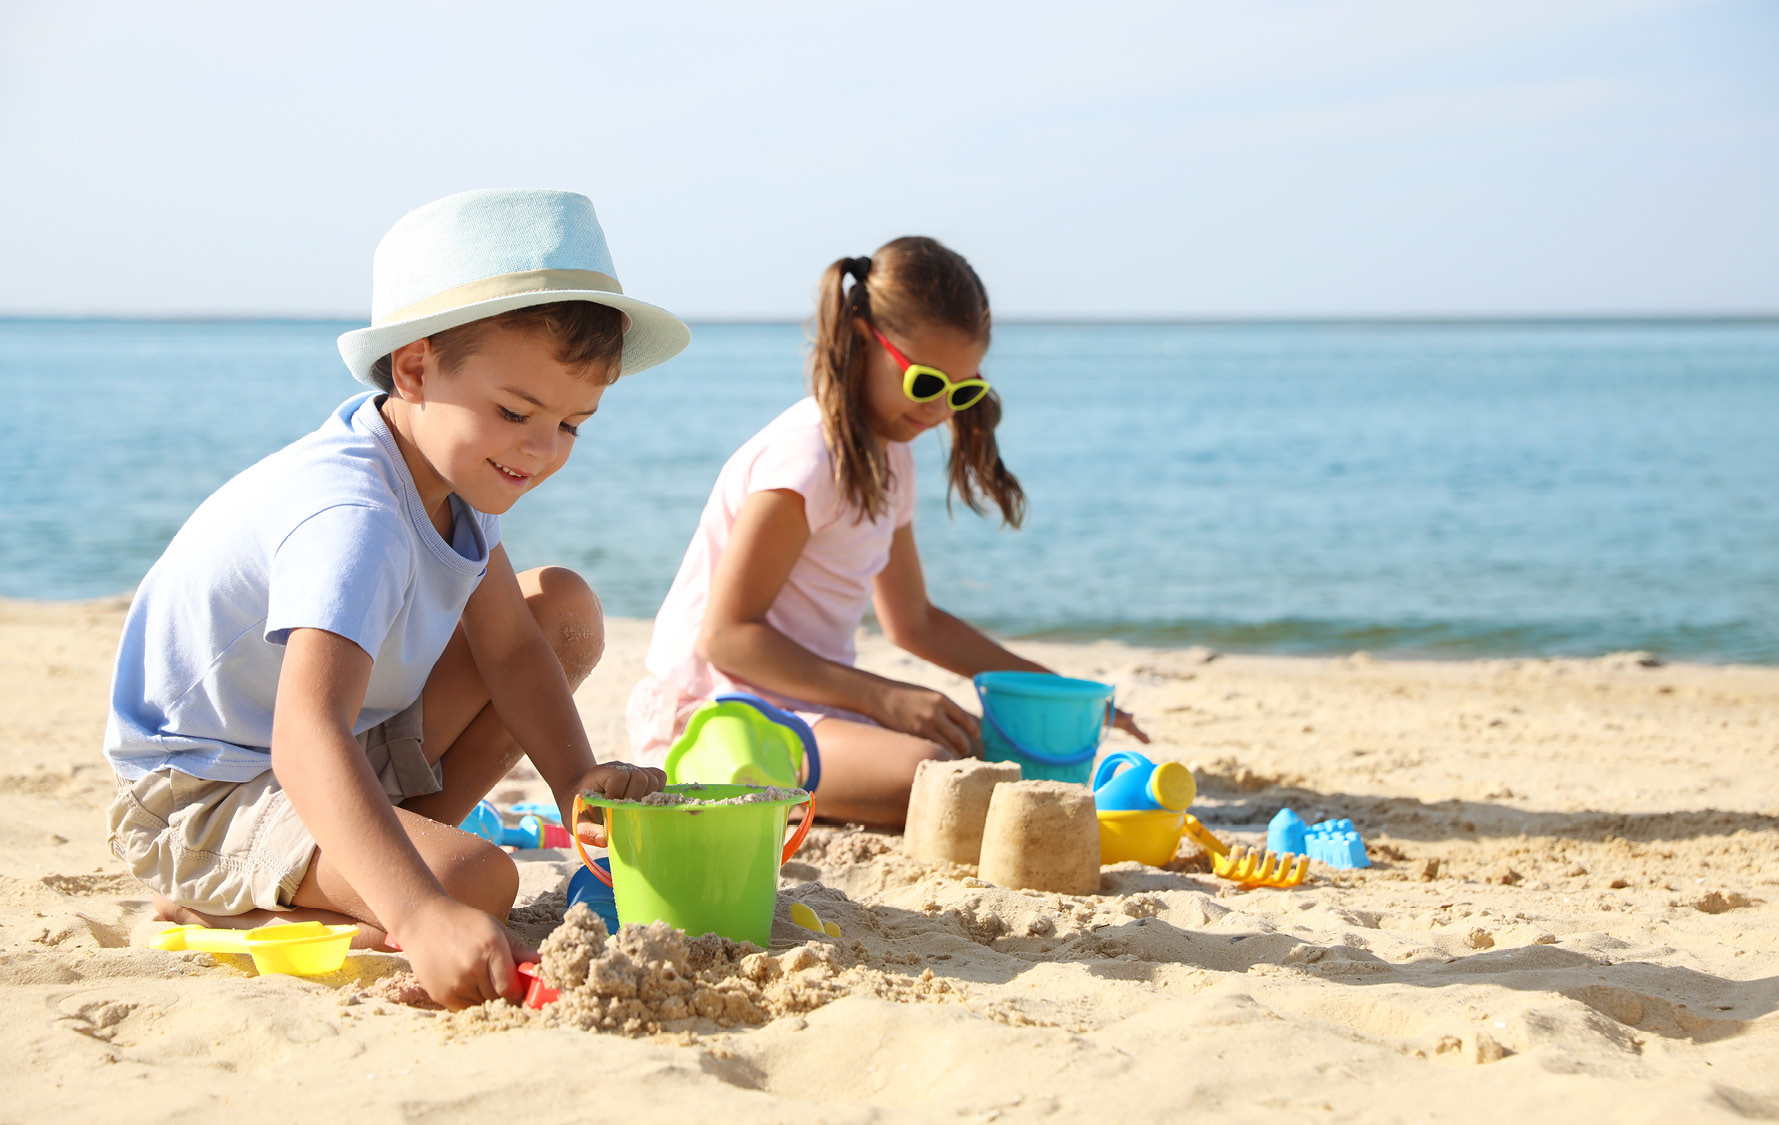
(813, 516)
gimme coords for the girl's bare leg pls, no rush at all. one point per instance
(867, 771)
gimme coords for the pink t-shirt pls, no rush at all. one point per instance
(824, 598)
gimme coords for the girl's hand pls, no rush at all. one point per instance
(618, 781)
(1127, 723)
(931, 715)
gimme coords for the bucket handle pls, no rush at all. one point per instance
(1106, 722)
(604, 876)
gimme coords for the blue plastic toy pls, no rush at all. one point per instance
(484, 821)
(1051, 725)
(1286, 833)
(587, 888)
(1129, 782)
(1334, 842)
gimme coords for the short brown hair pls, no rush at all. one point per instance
(588, 337)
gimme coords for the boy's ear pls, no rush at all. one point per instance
(408, 368)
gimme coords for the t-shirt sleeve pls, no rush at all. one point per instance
(798, 459)
(902, 470)
(345, 569)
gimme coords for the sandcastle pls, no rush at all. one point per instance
(948, 806)
(1042, 835)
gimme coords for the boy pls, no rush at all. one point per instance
(334, 661)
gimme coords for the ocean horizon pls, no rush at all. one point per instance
(1429, 486)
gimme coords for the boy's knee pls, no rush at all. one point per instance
(483, 876)
(572, 620)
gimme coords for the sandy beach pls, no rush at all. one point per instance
(1573, 913)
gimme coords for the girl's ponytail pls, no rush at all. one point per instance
(837, 377)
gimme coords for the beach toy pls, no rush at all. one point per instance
(948, 806)
(1041, 836)
(1334, 842)
(1051, 725)
(803, 915)
(537, 993)
(544, 810)
(484, 821)
(1245, 866)
(702, 868)
(1128, 782)
(1145, 835)
(740, 739)
(1285, 832)
(303, 949)
(597, 894)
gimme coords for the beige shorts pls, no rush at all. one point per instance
(226, 847)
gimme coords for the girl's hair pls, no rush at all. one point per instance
(586, 336)
(908, 283)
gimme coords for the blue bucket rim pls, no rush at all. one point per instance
(1041, 684)
(1003, 681)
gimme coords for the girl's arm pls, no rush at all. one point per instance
(529, 692)
(914, 624)
(769, 535)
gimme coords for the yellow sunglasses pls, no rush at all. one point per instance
(924, 384)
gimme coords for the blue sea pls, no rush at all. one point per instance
(1415, 489)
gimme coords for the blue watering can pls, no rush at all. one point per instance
(1129, 782)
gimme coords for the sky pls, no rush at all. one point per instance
(1351, 158)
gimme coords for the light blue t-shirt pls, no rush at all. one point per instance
(327, 533)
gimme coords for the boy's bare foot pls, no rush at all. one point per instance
(368, 936)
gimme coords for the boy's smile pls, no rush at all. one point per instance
(493, 429)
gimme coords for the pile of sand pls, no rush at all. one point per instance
(653, 978)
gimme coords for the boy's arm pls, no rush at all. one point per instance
(461, 955)
(531, 695)
(769, 535)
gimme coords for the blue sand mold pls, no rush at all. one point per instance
(1334, 842)
(584, 887)
(1285, 833)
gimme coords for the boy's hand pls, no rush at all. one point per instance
(461, 955)
(618, 781)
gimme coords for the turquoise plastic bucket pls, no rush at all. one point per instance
(1051, 725)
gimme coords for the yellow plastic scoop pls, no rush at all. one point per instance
(303, 949)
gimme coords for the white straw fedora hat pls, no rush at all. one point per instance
(481, 253)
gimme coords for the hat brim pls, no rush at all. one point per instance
(655, 335)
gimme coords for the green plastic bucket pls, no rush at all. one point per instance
(699, 868)
(1051, 725)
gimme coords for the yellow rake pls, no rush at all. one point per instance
(1249, 867)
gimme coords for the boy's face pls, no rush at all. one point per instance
(499, 425)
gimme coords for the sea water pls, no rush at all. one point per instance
(1452, 489)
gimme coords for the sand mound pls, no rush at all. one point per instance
(648, 979)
